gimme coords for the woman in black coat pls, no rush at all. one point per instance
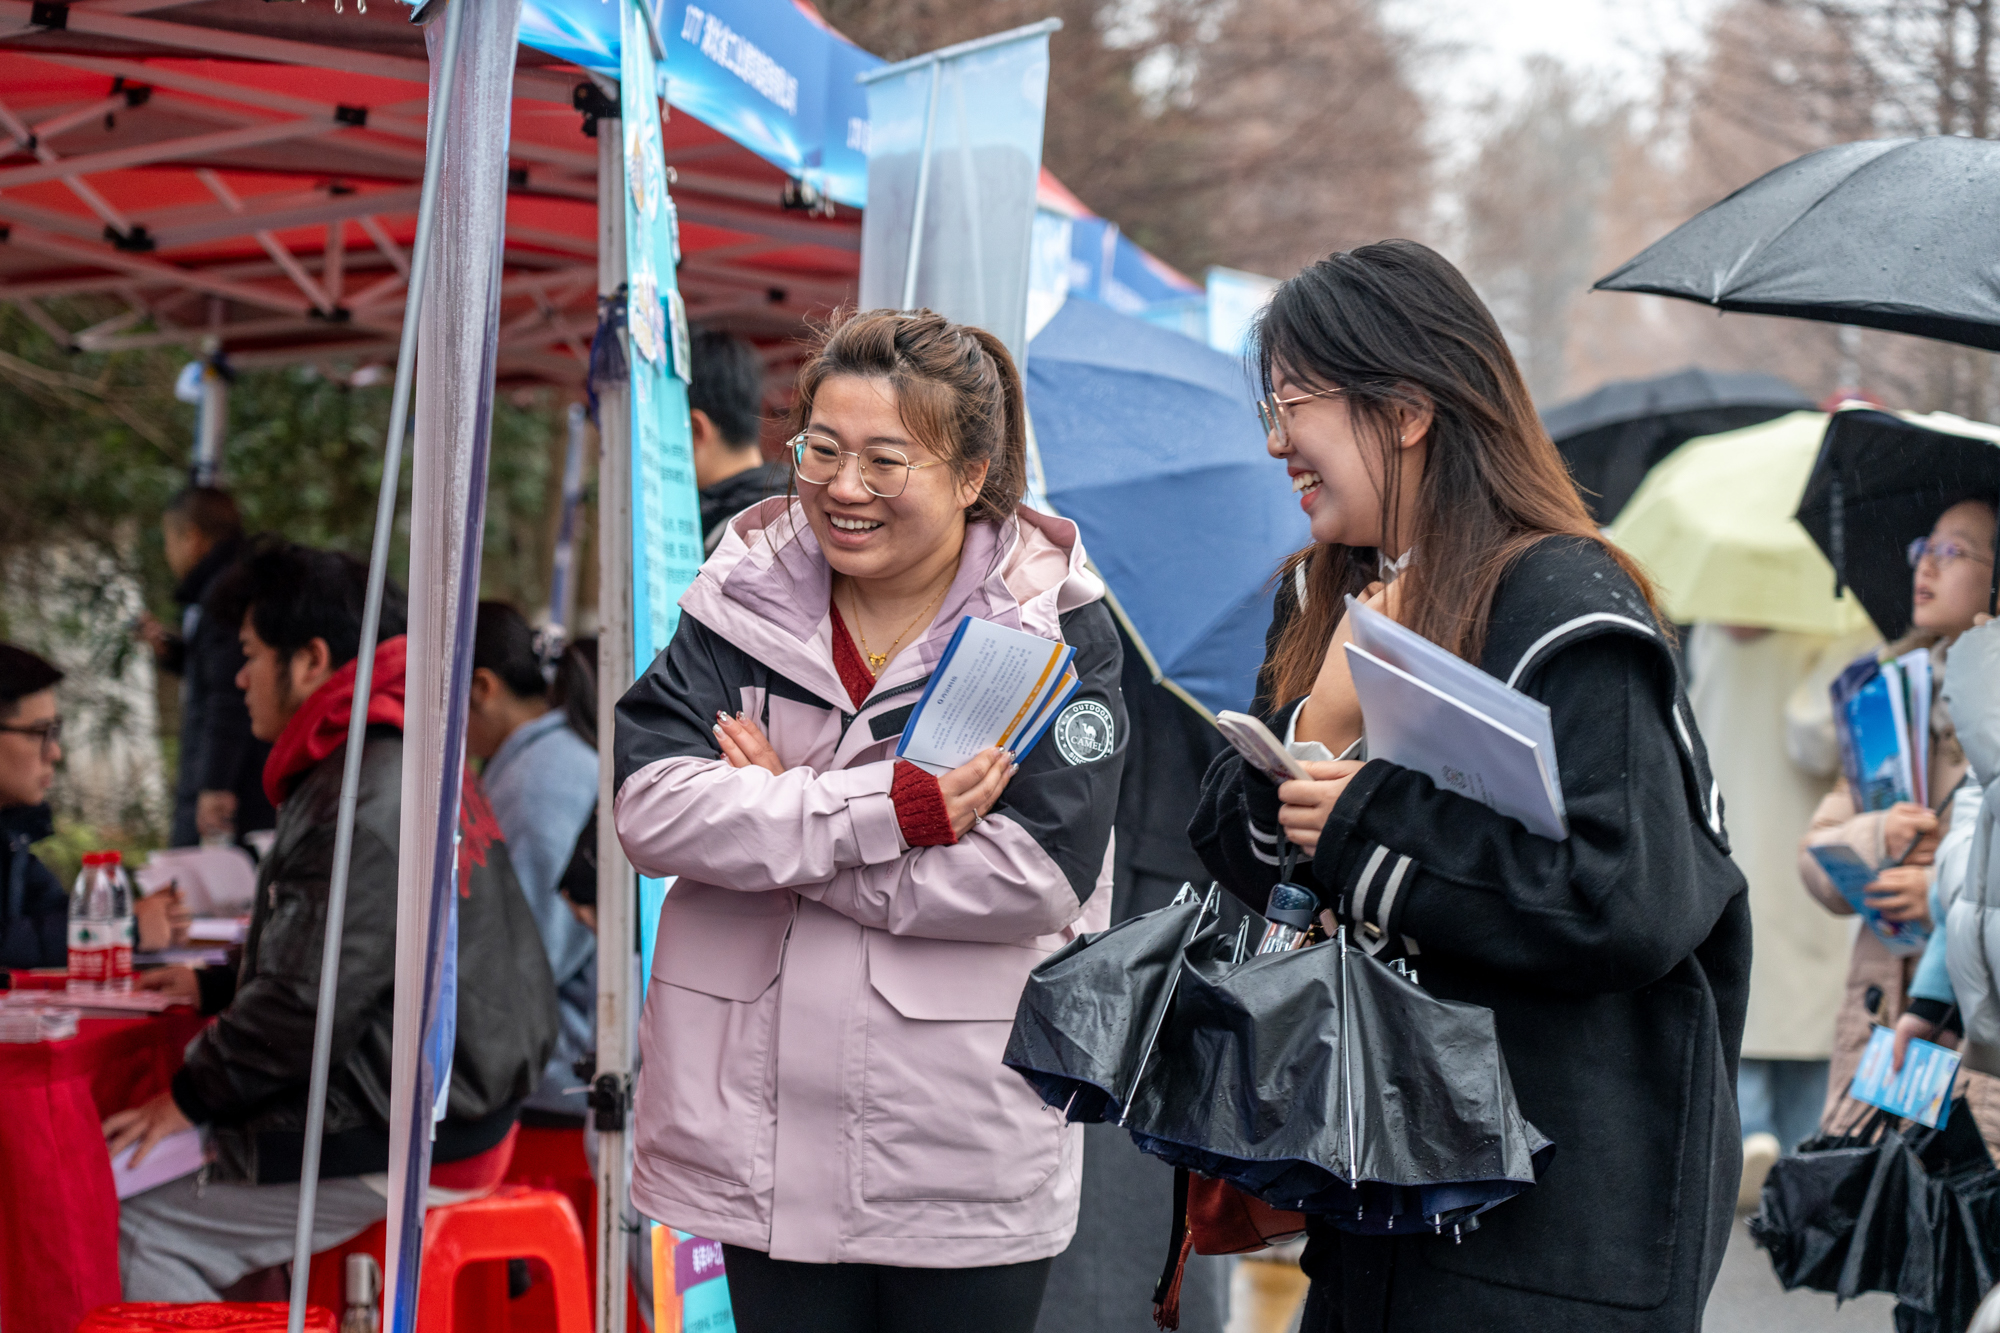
(1616, 961)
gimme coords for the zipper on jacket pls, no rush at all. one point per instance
(848, 719)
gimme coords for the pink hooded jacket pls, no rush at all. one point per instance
(828, 1007)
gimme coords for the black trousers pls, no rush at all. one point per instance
(780, 1296)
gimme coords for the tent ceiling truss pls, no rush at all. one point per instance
(220, 184)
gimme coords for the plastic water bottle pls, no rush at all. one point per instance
(124, 926)
(89, 929)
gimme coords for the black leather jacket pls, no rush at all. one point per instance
(247, 1074)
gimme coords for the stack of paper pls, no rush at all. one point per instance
(993, 686)
(20, 1024)
(1852, 876)
(1882, 712)
(1439, 715)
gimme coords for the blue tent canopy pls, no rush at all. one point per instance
(1149, 441)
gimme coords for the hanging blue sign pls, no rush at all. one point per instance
(760, 71)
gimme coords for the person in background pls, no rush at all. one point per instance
(34, 916)
(1772, 767)
(245, 1077)
(219, 789)
(541, 775)
(1952, 571)
(726, 414)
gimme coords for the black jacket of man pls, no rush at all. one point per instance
(34, 930)
(1616, 963)
(247, 1074)
(218, 753)
(732, 495)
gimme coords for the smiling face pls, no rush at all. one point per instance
(1336, 466)
(1950, 592)
(863, 535)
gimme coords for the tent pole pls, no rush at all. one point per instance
(364, 672)
(610, 1097)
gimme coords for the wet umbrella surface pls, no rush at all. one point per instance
(1318, 1079)
(1886, 233)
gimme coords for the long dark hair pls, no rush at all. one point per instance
(1394, 325)
(574, 689)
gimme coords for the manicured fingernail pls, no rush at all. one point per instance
(721, 716)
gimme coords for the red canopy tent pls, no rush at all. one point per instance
(248, 173)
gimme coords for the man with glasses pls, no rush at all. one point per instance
(34, 911)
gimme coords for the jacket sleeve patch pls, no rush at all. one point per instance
(1084, 732)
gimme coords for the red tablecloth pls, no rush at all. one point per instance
(58, 1211)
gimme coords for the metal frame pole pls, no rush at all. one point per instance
(616, 897)
(364, 670)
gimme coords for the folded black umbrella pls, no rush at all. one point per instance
(1322, 1081)
(1912, 1212)
(1879, 484)
(1091, 1010)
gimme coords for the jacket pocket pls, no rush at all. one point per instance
(708, 1032)
(942, 1118)
(1613, 1079)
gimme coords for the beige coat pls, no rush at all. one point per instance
(1773, 767)
(1871, 963)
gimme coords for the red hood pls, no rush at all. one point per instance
(320, 726)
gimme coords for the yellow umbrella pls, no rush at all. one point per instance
(1713, 525)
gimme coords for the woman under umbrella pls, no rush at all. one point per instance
(1951, 582)
(1615, 961)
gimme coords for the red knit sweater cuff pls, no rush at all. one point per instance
(920, 808)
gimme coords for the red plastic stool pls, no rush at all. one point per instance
(216, 1317)
(464, 1286)
(513, 1222)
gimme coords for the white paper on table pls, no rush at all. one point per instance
(981, 692)
(219, 929)
(1413, 723)
(172, 1157)
(214, 881)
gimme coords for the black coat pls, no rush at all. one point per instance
(732, 495)
(247, 1074)
(218, 753)
(1616, 963)
(34, 912)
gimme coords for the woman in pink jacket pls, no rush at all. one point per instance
(841, 955)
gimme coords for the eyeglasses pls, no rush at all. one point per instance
(48, 733)
(1270, 411)
(1943, 550)
(817, 460)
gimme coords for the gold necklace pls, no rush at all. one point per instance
(876, 661)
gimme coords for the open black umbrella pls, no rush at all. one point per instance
(1612, 436)
(1887, 233)
(1880, 482)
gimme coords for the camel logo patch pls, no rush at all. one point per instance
(1084, 732)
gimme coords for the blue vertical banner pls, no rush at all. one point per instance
(666, 512)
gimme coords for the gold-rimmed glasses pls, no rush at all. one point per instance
(1271, 410)
(817, 460)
